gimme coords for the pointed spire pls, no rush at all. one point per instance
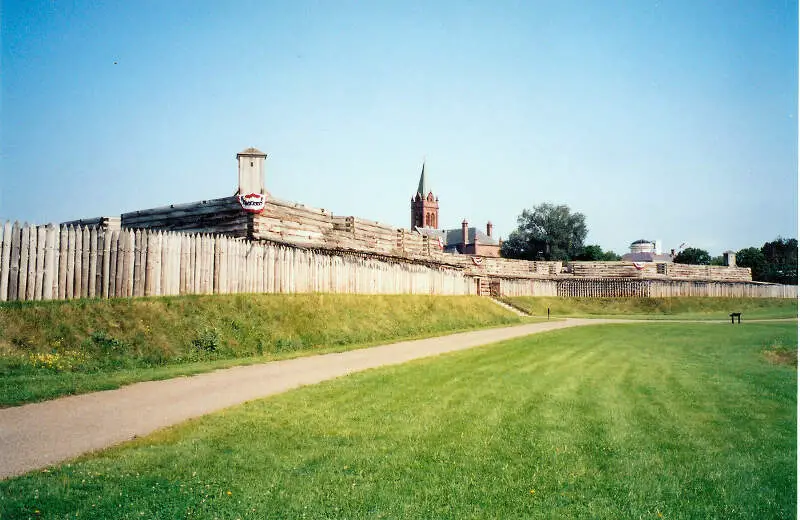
(423, 188)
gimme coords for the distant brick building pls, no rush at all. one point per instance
(424, 205)
(464, 240)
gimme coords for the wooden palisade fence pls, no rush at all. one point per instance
(66, 262)
(57, 263)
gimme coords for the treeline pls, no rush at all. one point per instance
(774, 262)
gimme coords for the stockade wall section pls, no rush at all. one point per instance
(49, 263)
(627, 288)
(56, 263)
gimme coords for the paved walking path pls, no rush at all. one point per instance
(37, 435)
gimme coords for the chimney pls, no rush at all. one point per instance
(730, 258)
(489, 229)
(464, 235)
(671, 252)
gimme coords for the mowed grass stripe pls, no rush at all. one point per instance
(685, 308)
(614, 421)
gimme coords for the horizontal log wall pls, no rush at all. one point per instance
(223, 216)
(709, 272)
(49, 263)
(509, 268)
(650, 270)
(296, 224)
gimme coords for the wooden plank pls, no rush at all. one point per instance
(5, 260)
(30, 289)
(108, 264)
(86, 262)
(41, 238)
(152, 258)
(70, 263)
(165, 267)
(205, 277)
(183, 261)
(124, 263)
(63, 248)
(91, 283)
(129, 274)
(113, 255)
(204, 264)
(194, 258)
(146, 277)
(210, 262)
(223, 265)
(279, 203)
(50, 263)
(143, 268)
(76, 275)
(217, 261)
(176, 263)
(102, 234)
(13, 273)
(212, 205)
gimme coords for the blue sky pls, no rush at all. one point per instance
(673, 120)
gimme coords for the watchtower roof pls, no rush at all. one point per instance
(251, 152)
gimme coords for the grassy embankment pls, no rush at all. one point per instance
(654, 420)
(48, 349)
(657, 308)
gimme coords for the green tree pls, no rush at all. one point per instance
(693, 255)
(753, 258)
(547, 232)
(595, 253)
(781, 257)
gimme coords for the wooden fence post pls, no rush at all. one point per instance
(91, 285)
(13, 271)
(30, 289)
(50, 272)
(85, 262)
(5, 260)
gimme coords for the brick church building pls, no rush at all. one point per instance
(464, 240)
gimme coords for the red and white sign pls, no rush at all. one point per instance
(477, 260)
(441, 244)
(639, 265)
(253, 202)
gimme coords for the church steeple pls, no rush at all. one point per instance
(424, 205)
(422, 189)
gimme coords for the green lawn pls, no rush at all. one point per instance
(50, 349)
(655, 420)
(657, 308)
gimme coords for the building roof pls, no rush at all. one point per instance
(251, 151)
(423, 188)
(642, 241)
(452, 237)
(646, 257)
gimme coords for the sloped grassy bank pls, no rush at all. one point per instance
(658, 308)
(49, 349)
